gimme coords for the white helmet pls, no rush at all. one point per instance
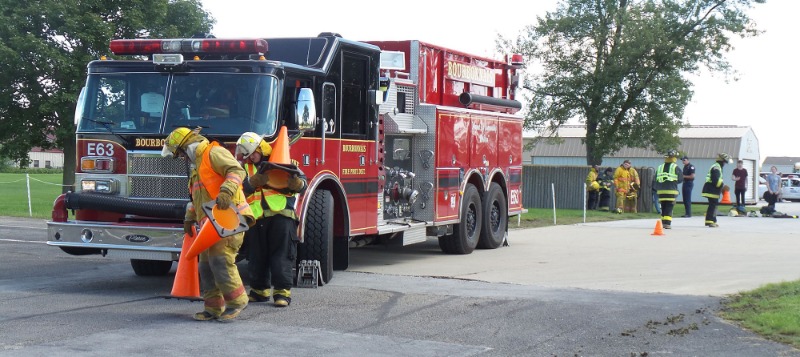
(247, 144)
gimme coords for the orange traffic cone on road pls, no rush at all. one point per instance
(187, 279)
(659, 230)
(204, 239)
(726, 197)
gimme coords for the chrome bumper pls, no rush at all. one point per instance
(133, 242)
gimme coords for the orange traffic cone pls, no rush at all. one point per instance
(280, 150)
(204, 239)
(187, 280)
(726, 197)
(659, 230)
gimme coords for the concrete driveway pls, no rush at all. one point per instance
(743, 253)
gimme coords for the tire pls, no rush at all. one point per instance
(318, 242)
(495, 218)
(151, 267)
(467, 233)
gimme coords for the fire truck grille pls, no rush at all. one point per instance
(153, 176)
(154, 164)
(410, 95)
(159, 187)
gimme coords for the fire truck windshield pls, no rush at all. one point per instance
(156, 103)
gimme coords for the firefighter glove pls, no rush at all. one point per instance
(295, 183)
(224, 198)
(258, 180)
(187, 227)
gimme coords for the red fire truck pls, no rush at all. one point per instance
(401, 141)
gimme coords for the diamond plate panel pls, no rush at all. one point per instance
(422, 143)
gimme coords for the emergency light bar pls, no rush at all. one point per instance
(194, 45)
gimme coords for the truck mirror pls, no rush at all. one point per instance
(306, 111)
(374, 98)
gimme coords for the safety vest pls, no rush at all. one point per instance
(254, 200)
(666, 173)
(277, 201)
(708, 175)
(210, 179)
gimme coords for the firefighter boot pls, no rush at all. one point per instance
(281, 298)
(257, 295)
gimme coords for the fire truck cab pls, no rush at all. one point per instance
(401, 141)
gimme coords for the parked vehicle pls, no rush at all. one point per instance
(762, 187)
(790, 189)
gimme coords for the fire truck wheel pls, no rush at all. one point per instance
(495, 218)
(318, 242)
(467, 233)
(151, 267)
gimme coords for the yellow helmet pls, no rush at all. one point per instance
(178, 138)
(251, 142)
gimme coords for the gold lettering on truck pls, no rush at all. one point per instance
(354, 172)
(471, 74)
(354, 148)
(149, 142)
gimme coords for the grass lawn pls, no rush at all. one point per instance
(772, 311)
(44, 188)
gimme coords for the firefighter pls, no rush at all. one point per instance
(254, 150)
(215, 175)
(592, 187)
(626, 181)
(281, 185)
(606, 181)
(665, 182)
(714, 187)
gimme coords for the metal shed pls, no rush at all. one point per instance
(701, 143)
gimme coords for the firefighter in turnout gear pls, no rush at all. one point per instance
(666, 181)
(253, 150)
(282, 183)
(713, 188)
(606, 180)
(215, 175)
(626, 181)
(592, 188)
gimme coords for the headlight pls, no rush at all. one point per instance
(100, 185)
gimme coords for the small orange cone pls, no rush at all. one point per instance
(187, 280)
(280, 150)
(659, 230)
(726, 197)
(207, 237)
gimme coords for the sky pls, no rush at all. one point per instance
(761, 98)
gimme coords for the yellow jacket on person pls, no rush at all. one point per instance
(623, 178)
(223, 168)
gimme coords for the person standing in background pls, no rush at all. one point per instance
(665, 183)
(688, 185)
(627, 184)
(592, 188)
(740, 185)
(606, 180)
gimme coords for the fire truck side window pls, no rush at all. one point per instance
(354, 94)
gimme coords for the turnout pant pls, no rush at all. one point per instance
(272, 254)
(219, 277)
(711, 212)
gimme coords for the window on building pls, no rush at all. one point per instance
(35, 163)
(47, 164)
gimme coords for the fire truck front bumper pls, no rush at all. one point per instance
(116, 240)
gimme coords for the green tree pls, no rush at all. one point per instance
(621, 66)
(45, 46)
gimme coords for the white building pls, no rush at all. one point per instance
(51, 158)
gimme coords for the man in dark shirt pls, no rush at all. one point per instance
(740, 187)
(688, 185)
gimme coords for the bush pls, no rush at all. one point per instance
(29, 170)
